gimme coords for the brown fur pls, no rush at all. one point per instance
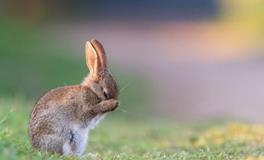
(50, 125)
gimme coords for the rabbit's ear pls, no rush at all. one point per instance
(95, 58)
(92, 60)
(100, 52)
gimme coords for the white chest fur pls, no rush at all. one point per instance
(95, 121)
(80, 135)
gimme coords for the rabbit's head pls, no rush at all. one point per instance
(100, 79)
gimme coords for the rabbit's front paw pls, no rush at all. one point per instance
(109, 105)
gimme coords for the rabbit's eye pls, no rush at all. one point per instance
(105, 93)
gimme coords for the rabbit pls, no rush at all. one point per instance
(61, 120)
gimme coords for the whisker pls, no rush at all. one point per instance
(129, 113)
(125, 87)
(124, 111)
(120, 108)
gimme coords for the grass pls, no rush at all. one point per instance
(31, 63)
(118, 138)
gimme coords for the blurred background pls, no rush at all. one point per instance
(185, 60)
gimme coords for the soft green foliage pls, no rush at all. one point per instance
(32, 63)
(123, 139)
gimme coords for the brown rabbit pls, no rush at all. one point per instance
(61, 119)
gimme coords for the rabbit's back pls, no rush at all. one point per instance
(57, 109)
(63, 97)
(55, 97)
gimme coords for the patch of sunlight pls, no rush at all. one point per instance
(254, 158)
(242, 133)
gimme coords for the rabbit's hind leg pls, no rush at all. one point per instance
(68, 149)
(76, 145)
(52, 143)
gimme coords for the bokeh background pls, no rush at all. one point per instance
(185, 60)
